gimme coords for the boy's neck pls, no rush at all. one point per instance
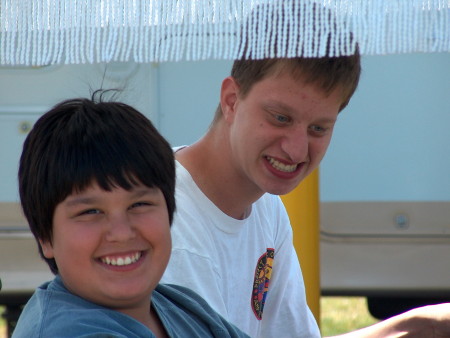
(209, 164)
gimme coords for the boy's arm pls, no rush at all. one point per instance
(426, 321)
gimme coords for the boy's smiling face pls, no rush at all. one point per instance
(279, 131)
(111, 247)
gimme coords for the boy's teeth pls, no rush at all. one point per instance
(122, 261)
(288, 168)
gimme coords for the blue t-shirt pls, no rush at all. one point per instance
(53, 311)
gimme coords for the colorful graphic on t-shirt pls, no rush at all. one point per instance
(263, 272)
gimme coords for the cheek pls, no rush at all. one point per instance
(74, 243)
(320, 147)
(161, 232)
(161, 241)
(168, 243)
(157, 230)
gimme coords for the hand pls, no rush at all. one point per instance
(436, 317)
(431, 321)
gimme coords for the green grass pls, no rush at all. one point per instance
(344, 314)
(2, 323)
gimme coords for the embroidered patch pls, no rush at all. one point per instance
(263, 272)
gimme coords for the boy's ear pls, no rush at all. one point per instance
(47, 248)
(229, 94)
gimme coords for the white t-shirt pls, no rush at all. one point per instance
(247, 270)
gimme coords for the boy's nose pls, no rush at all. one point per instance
(296, 144)
(120, 229)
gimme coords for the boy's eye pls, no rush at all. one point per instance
(281, 118)
(140, 204)
(90, 212)
(142, 207)
(319, 130)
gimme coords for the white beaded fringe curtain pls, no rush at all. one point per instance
(44, 32)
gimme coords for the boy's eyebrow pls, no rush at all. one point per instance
(136, 193)
(80, 200)
(142, 191)
(272, 104)
(275, 104)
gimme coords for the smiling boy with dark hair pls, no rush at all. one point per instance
(96, 183)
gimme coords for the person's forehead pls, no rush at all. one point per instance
(284, 90)
(285, 74)
(134, 185)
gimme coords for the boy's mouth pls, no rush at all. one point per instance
(122, 260)
(287, 168)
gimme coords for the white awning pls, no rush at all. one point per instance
(42, 32)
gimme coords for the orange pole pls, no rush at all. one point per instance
(302, 205)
